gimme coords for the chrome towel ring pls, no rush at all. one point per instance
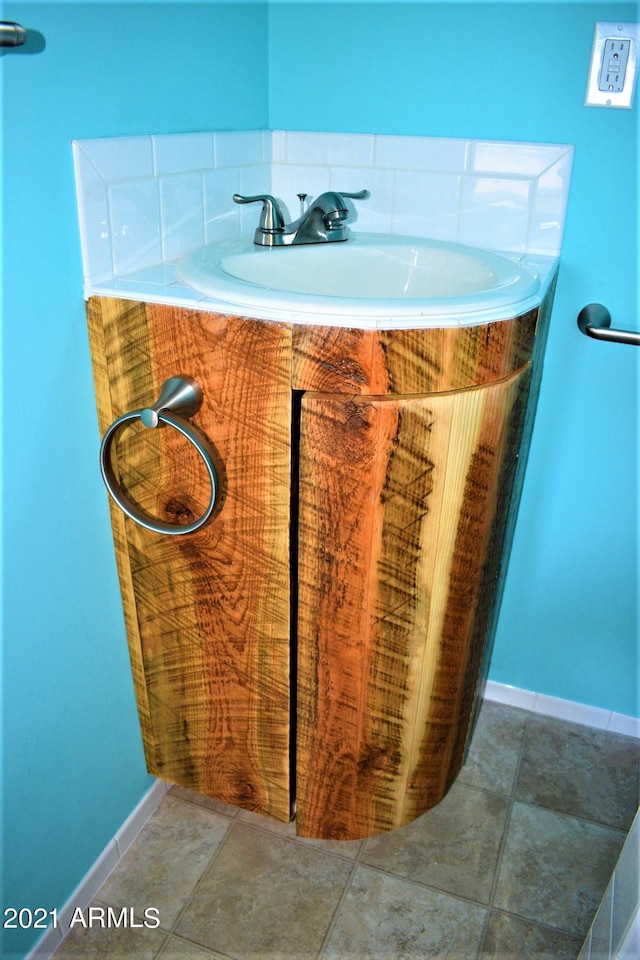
(180, 397)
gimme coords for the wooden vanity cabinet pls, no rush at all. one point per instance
(409, 448)
(208, 613)
(331, 621)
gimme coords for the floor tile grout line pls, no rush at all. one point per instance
(300, 841)
(503, 839)
(197, 801)
(538, 923)
(345, 893)
(509, 795)
(534, 719)
(171, 930)
(256, 828)
(425, 886)
(513, 800)
(204, 873)
(573, 816)
(187, 941)
(161, 950)
(395, 876)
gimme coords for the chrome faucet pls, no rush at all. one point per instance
(325, 220)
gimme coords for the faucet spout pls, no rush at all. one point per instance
(323, 221)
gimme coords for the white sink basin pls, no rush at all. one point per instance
(368, 275)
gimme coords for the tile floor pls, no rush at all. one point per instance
(510, 866)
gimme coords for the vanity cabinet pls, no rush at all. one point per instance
(323, 639)
(208, 613)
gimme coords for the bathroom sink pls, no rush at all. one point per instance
(368, 275)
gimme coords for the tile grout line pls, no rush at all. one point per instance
(503, 840)
(574, 816)
(205, 872)
(179, 938)
(259, 829)
(345, 893)
(426, 886)
(423, 885)
(510, 795)
(544, 924)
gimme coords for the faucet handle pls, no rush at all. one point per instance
(271, 219)
(360, 195)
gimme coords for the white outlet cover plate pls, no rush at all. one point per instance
(613, 30)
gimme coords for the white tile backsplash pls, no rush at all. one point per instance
(120, 158)
(498, 208)
(520, 159)
(549, 206)
(290, 179)
(180, 154)
(435, 154)
(345, 149)
(374, 214)
(145, 200)
(94, 219)
(278, 141)
(181, 205)
(426, 204)
(221, 217)
(238, 149)
(134, 207)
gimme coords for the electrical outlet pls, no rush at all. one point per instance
(614, 64)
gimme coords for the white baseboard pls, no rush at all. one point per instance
(563, 709)
(99, 871)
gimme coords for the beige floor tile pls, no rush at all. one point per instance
(387, 918)
(97, 943)
(342, 848)
(454, 847)
(231, 885)
(265, 898)
(226, 809)
(164, 863)
(555, 868)
(177, 949)
(494, 754)
(511, 938)
(577, 770)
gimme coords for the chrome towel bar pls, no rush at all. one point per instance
(12, 34)
(595, 321)
(180, 397)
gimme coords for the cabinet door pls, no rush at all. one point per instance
(403, 509)
(207, 613)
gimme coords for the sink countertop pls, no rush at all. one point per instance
(158, 283)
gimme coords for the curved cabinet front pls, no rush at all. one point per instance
(369, 481)
(403, 509)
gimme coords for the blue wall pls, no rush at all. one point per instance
(73, 761)
(568, 625)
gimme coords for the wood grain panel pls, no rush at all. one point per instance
(345, 360)
(402, 512)
(207, 613)
(409, 444)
